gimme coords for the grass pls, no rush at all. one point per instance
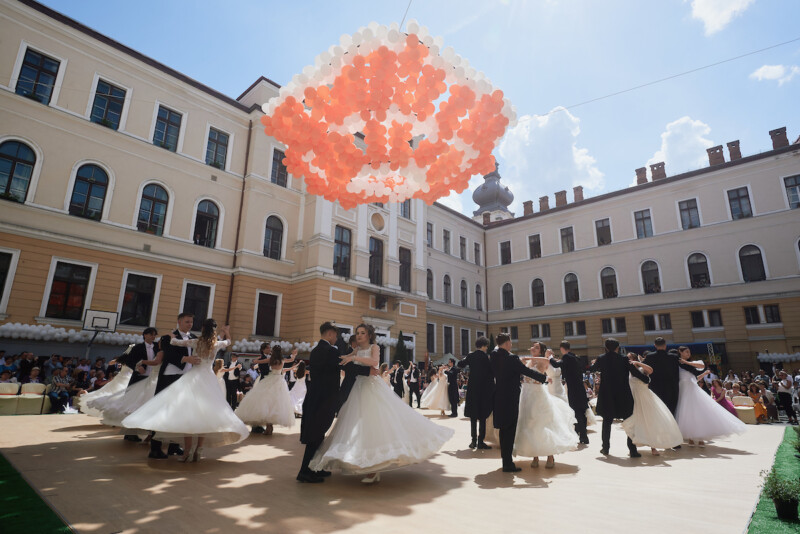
(765, 520)
(22, 510)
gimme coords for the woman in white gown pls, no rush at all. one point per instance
(298, 392)
(375, 431)
(269, 403)
(87, 402)
(435, 396)
(219, 371)
(194, 406)
(651, 422)
(699, 416)
(546, 423)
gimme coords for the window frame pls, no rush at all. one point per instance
(220, 220)
(87, 299)
(167, 215)
(181, 129)
(500, 252)
(465, 350)
(123, 114)
(477, 252)
(544, 294)
(564, 287)
(785, 190)
(272, 162)
(750, 202)
(680, 214)
(602, 287)
(226, 164)
(447, 289)
(478, 297)
(538, 244)
(430, 284)
(283, 236)
(33, 182)
(372, 268)
(341, 244)
(212, 289)
(462, 248)
(59, 78)
(689, 272)
(561, 237)
(278, 310)
(446, 241)
(649, 211)
(5, 291)
(597, 230)
(431, 350)
(763, 263)
(401, 209)
(444, 339)
(109, 190)
(404, 266)
(503, 302)
(641, 278)
(156, 295)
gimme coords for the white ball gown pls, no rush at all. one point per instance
(192, 406)
(376, 431)
(298, 394)
(123, 403)
(435, 396)
(556, 387)
(119, 383)
(268, 403)
(651, 423)
(546, 423)
(699, 416)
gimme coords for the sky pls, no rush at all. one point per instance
(579, 72)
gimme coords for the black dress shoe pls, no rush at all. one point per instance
(584, 440)
(174, 450)
(511, 468)
(635, 454)
(453, 415)
(157, 455)
(322, 473)
(309, 477)
(132, 437)
(676, 448)
(482, 445)
(473, 444)
(604, 451)
(257, 430)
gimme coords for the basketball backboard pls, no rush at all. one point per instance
(100, 321)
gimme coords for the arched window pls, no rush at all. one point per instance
(464, 299)
(478, 298)
(16, 169)
(273, 238)
(698, 270)
(153, 210)
(430, 284)
(608, 281)
(571, 288)
(650, 279)
(537, 292)
(446, 284)
(205, 224)
(89, 192)
(752, 264)
(508, 297)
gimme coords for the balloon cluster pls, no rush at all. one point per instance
(245, 345)
(46, 332)
(776, 357)
(385, 116)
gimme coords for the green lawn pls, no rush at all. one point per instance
(765, 520)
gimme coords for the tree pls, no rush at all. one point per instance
(491, 342)
(400, 352)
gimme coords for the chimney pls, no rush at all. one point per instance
(657, 170)
(577, 193)
(641, 175)
(561, 198)
(527, 207)
(487, 218)
(734, 151)
(544, 203)
(779, 138)
(715, 155)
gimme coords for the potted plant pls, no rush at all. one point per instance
(785, 493)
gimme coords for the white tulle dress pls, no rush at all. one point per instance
(699, 416)
(435, 396)
(298, 394)
(546, 423)
(86, 402)
(651, 423)
(193, 406)
(376, 431)
(268, 403)
(123, 403)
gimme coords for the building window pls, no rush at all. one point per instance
(608, 281)
(567, 240)
(430, 338)
(739, 201)
(606, 326)
(205, 224)
(714, 318)
(266, 315)
(508, 297)
(446, 241)
(153, 210)
(571, 288)
(603, 229)
(478, 298)
(698, 270)
(375, 261)
(429, 234)
(448, 340)
(137, 301)
(405, 209)
(752, 264)
(107, 107)
(6, 259)
(217, 149)
(447, 289)
(16, 168)
(168, 128)
(430, 284)
(697, 319)
(273, 238)
(279, 174)
(649, 322)
(569, 329)
(464, 298)
(665, 323)
(341, 251)
(545, 327)
(89, 192)
(37, 77)
(534, 246)
(537, 292)
(377, 204)
(68, 291)
(751, 315)
(690, 216)
(621, 326)
(534, 331)
(614, 325)
(580, 328)
(792, 184)
(464, 342)
(650, 279)
(405, 269)
(514, 332)
(196, 300)
(505, 252)
(477, 254)
(462, 246)
(644, 225)
(772, 314)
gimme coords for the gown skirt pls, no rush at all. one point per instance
(119, 383)
(435, 396)
(546, 423)
(699, 416)
(298, 394)
(268, 403)
(123, 403)
(651, 423)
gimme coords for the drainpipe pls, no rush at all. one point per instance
(239, 221)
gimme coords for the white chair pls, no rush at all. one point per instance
(744, 409)
(9, 399)
(31, 399)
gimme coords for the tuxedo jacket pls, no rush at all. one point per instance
(452, 380)
(396, 378)
(415, 374)
(173, 354)
(664, 378)
(572, 372)
(507, 369)
(132, 358)
(480, 391)
(235, 374)
(615, 400)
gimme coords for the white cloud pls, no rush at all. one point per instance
(453, 201)
(775, 72)
(716, 14)
(683, 146)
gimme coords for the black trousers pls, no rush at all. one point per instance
(785, 402)
(413, 390)
(478, 427)
(607, 422)
(311, 449)
(164, 381)
(452, 396)
(398, 389)
(580, 426)
(507, 436)
(231, 390)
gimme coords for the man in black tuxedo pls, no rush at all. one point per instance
(412, 379)
(131, 358)
(176, 362)
(572, 372)
(480, 391)
(322, 399)
(615, 400)
(232, 381)
(452, 386)
(396, 378)
(664, 379)
(507, 369)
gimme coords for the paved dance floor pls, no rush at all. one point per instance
(100, 484)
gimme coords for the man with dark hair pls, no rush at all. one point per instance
(452, 386)
(572, 371)
(232, 377)
(480, 393)
(131, 358)
(664, 378)
(412, 381)
(507, 369)
(396, 378)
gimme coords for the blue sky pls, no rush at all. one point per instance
(544, 55)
